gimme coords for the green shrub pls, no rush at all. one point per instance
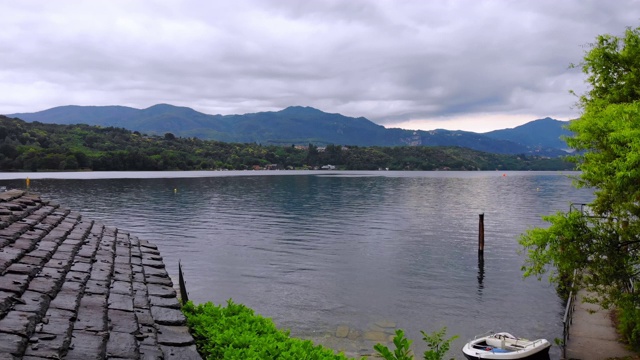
(235, 332)
(628, 316)
(437, 344)
(403, 348)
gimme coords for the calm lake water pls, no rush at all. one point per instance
(318, 250)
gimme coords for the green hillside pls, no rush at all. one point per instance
(37, 147)
(293, 125)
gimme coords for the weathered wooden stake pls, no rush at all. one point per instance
(184, 297)
(481, 234)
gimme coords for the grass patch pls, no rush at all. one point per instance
(236, 332)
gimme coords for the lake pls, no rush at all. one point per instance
(358, 253)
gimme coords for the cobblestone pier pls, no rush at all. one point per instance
(72, 288)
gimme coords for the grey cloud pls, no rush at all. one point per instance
(390, 61)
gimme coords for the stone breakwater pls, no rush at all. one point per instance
(73, 288)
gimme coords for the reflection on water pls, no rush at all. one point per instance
(480, 273)
(319, 250)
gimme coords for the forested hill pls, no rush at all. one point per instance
(297, 125)
(36, 146)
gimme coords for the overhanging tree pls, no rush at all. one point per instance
(604, 244)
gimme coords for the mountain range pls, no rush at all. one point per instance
(304, 125)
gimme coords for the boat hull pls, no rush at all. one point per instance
(543, 355)
(483, 349)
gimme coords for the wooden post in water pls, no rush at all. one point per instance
(481, 235)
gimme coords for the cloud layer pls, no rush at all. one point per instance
(406, 63)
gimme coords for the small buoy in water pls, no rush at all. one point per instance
(537, 189)
(175, 190)
(504, 174)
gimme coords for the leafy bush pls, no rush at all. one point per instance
(403, 348)
(235, 332)
(438, 346)
(628, 317)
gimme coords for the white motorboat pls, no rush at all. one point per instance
(506, 346)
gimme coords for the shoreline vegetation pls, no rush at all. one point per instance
(235, 331)
(37, 147)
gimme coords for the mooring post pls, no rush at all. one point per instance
(481, 235)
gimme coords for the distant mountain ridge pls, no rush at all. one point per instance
(529, 134)
(303, 125)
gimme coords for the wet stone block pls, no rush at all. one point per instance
(121, 287)
(18, 323)
(12, 344)
(166, 281)
(41, 253)
(14, 230)
(140, 300)
(180, 353)
(45, 285)
(47, 347)
(67, 247)
(159, 272)
(174, 335)
(122, 345)
(144, 317)
(164, 302)
(101, 272)
(52, 219)
(22, 268)
(121, 302)
(167, 316)
(9, 257)
(151, 256)
(122, 272)
(87, 346)
(34, 302)
(136, 260)
(138, 277)
(32, 260)
(123, 252)
(86, 252)
(150, 352)
(64, 258)
(58, 322)
(148, 245)
(16, 283)
(123, 321)
(58, 264)
(161, 291)
(72, 286)
(4, 242)
(148, 335)
(92, 314)
(54, 274)
(66, 299)
(55, 236)
(6, 301)
(96, 287)
(25, 244)
(77, 276)
(139, 286)
(44, 227)
(34, 234)
(153, 263)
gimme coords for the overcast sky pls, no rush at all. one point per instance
(471, 64)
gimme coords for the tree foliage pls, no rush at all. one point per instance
(602, 244)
